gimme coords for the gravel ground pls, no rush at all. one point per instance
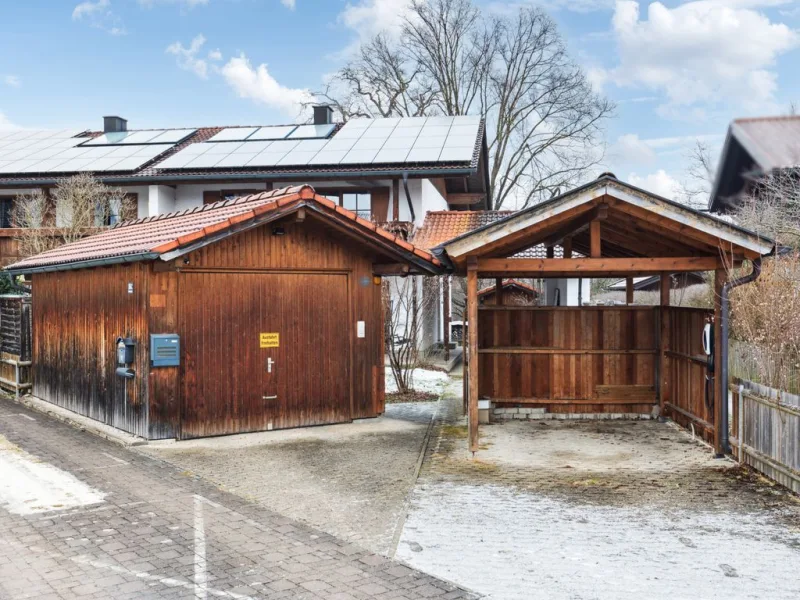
(596, 510)
(351, 480)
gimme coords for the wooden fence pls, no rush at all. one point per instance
(15, 343)
(765, 431)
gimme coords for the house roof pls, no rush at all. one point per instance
(643, 283)
(638, 224)
(507, 284)
(443, 225)
(752, 147)
(390, 147)
(168, 236)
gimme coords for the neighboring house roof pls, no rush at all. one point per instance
(507, 285)
(442, 226)
(391, 147)
(168, 236)
(689, 229)
(652, 282)
(754, 147)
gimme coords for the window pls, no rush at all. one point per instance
(122, 211)
(5, 212)
(359, 204)
(210, 196)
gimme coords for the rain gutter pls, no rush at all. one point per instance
(86, 264)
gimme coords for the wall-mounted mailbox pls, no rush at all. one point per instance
(125, 351)
(165, 349)
(126, 372)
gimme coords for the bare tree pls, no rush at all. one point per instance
(405, 301)
(700, 175)
(543, 120)
(76, 207)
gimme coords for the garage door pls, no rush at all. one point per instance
(263, 351)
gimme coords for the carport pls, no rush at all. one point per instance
(602, 359)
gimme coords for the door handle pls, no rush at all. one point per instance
(270, 362)
(270, 397)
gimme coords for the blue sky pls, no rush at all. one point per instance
(677, 70)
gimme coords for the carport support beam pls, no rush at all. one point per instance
(629, 290)
(720, 387)
(472, 307)
(664, 344)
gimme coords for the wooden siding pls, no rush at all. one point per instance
(590, 359)
(77, 316)
(686, 368)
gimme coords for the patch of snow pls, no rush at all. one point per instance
(28, 485)
(423, 380)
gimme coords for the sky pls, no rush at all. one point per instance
(677, 71)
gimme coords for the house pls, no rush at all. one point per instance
(137, 326)
(753, 148)
(652, 283)
(510, 293)
(391, 170)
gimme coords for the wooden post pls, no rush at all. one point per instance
(720, 387)
(567, 247)
(594, 239)
(498, 291)
(551, 252)
(664, 343)
(629, 290)
(446, 316)
(472, 304)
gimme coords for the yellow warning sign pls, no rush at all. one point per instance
(269, 340)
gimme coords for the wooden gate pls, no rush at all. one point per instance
(264, 351)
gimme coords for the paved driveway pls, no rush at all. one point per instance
(596, 510)
(83, 518)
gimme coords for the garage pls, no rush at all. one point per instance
(257, 313)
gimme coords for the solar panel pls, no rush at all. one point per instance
(369, 144)
(359, 156)
(312, 131)
(435, 130)
(277, 132)
(253, 147)
(115, 137)
(266, 159)
(391, 155)
(233, 134)
(328, 157)
(173, 136)
(430, 141)
(423, 155)
(455, 154)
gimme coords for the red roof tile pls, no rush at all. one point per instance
(164, 233)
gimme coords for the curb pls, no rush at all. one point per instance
(79, 422)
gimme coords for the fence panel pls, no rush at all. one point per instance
(15, 343)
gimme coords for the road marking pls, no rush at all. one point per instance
(168, 581)
(200, 573)
(112, 457)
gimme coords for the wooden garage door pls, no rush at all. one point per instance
(263, 351)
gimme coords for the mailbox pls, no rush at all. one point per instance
(165, 349)
(125, 355)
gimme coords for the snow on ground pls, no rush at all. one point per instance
(423, 381)
(28, 485)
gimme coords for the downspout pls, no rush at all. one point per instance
(723, 352)
(408, 197)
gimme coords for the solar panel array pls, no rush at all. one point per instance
(41, 151)
(273, 132)
(361, 141)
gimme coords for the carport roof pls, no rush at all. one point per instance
(635, 224)
(168, 236)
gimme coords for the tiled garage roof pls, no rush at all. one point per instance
(151, 237)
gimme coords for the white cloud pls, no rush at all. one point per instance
(288, 4)
(700, 52)
(660, 183)
(5, 122)
(632, 149)
(370, 17)
(187, 57)
(12, 81)
(184, 3)
(100, 16)
(259, 85)
(215, 55)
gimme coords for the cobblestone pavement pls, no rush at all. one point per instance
(596, 510)
(161, 533)
(351, 480)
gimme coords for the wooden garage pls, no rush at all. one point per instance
(629, 359)
(258, 313)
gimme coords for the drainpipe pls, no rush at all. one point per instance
(408, 197)
(723, 352)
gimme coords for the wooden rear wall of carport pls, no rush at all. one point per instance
(621, 232)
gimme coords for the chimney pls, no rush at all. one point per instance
(114, 124)
(323, 114)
